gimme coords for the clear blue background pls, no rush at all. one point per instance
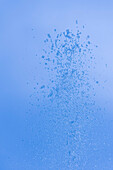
(23, 27)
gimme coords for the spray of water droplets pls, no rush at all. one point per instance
(69, 60)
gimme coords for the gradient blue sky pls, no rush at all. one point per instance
(19, 64)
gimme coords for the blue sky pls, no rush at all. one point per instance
(24, 26)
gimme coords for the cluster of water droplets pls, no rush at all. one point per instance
(69, 60)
